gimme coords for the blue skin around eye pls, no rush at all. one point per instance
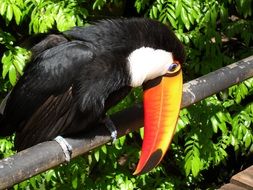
(172, 67)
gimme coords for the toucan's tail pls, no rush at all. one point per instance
(48, 42)
(2, 126)
(5, 127)
(1, 120)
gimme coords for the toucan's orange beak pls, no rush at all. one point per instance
(162, 99)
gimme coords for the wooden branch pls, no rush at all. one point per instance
(240, 181)
(47, 155)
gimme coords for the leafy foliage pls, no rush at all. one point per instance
(213, 138)
(14, 62)
(6, 147)
(63, 14)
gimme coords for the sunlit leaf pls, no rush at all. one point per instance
(104, 149)
(3, 6)
(178, 8)
(96, 155)
(142, 132)
(215, 124)
(9, 13)
(6, 60)
(12, 75)
(196, 165)
(185, 19)
(17, 13)
(75, 182)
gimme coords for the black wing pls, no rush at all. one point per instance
(51, 73)
(64, 90)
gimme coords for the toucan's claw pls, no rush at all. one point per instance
(111, 127)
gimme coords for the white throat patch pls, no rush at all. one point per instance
(147, 63)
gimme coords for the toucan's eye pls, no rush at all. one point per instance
(172, 67)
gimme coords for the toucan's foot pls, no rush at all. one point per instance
(66, 147)
(111, 127)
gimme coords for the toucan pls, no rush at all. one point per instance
(75, 76)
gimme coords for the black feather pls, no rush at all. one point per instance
(73, 78)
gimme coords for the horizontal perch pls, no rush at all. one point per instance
(46, 155)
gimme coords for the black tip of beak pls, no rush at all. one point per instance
(152, 161)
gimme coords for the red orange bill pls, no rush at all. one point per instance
(161, 108)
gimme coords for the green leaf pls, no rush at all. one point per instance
(14, 61)
(154, 11)
(49, 175)
(223, 127)
(130, 135)
(12, 75)
(178, 8)
(187, 167)
(215, 124)
(89, 159)
(74, 182)
(96, 155)
(189, 142)
(122, 140)
(6, 60)
(9, 13)
(191, 18)
(247, 139)
(18, 66)
(33, 182)
(171, 10)
(159, 7)
(142, 132)
(172, 21)
(184, 18)
(104, 149)
(189, 153)
(233, 140)
(196, 165)
(17, 13)
(213, 16)
(3, 6)
(224, 13)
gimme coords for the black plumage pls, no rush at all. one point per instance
(74, 77)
